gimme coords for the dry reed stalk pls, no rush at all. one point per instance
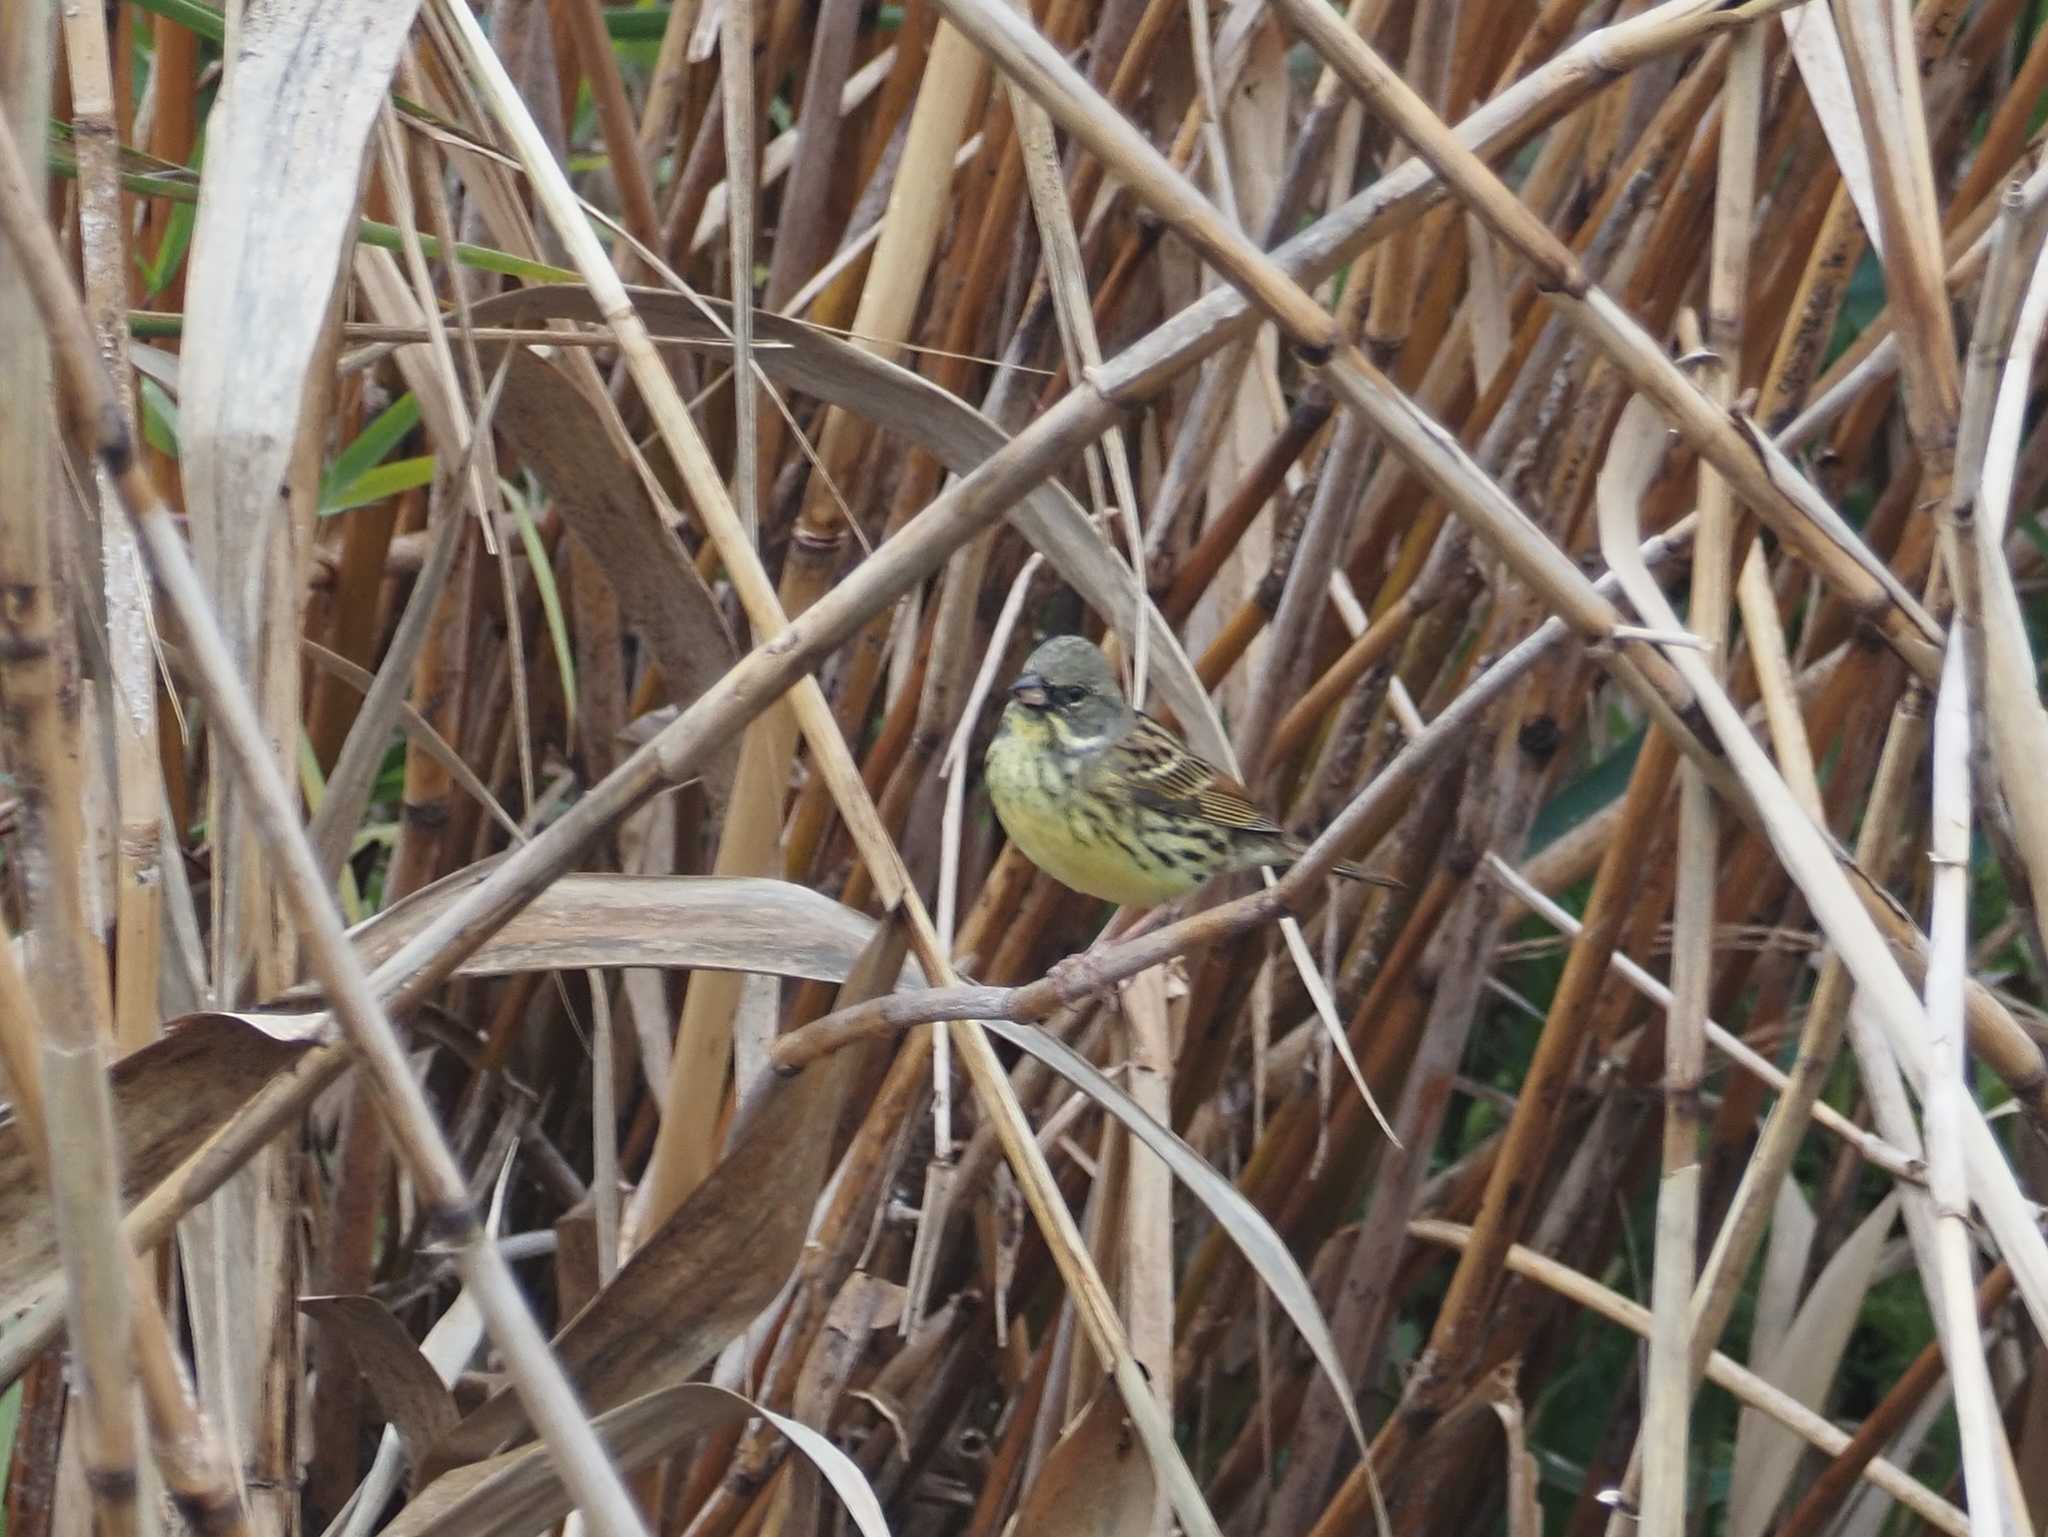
(1668, 1389)
(39, 723)
(1994, 1495)
(138, 918)
(991, 1085)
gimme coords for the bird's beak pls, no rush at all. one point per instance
(1029, 691)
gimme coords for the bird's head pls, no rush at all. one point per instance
(1069, 691)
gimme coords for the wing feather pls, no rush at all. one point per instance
(1163, 774)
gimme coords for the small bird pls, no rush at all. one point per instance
(1107, 801)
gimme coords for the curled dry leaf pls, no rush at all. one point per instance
(720, 923)
(711, 1267)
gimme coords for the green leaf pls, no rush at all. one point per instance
(158, 270)
(371, 446)
(550, 602)
(146, 176)
(189, 14)
(374, 485)
(159, 418)
(1593, 789)
(639, 24)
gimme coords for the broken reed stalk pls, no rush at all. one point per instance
(96, 421)
(196, 1469)
(103, 250)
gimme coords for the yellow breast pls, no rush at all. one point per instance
(1067, 831)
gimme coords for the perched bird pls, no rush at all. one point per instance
(1107, 801)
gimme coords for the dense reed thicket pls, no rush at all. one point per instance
(514, 526)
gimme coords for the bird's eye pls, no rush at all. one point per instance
(1069, 693)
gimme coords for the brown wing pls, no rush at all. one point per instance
(1160, 772)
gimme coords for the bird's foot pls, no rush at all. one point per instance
(1080, 977)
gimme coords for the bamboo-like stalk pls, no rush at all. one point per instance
(1995, 1500)
(1668, 1388)
(38, 722)
(131, 666)
(2014, 719)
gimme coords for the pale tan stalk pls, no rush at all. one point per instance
(1067, 282)
(1877, 41)
(189, 1455)
(902, 260)
(686, 1145)
(2014, 719)
(742, 152)
(1667, 1409)
(1146, 1226)
(1986, 1457)
(103, 250)
(40, 735)
(1772, 664)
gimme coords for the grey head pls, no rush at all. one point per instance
(1070, 682)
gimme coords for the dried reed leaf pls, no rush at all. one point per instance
(580, 454)
(1262, 1247)
(1785, 1260)
(1804, 1363)
(520, 1492)
(701, 1277)
(1096, 1481)
(407, 1388)
(716, 922)
(273, 226)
